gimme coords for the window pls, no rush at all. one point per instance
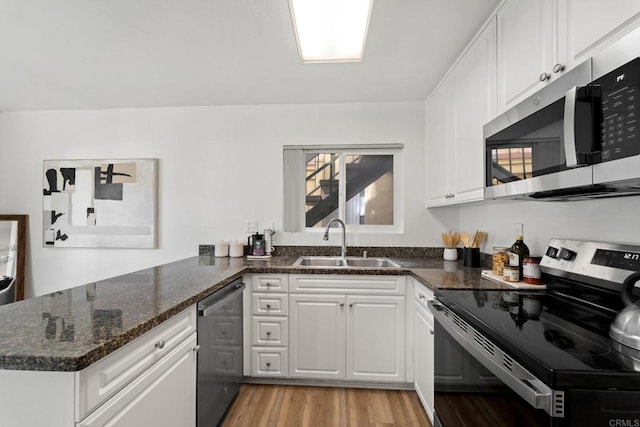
(355, 184)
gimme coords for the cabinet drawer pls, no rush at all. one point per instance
(276, 304)
(270, 283)
(356, 284)
(106, 377)
(422, 294)
(268, 362)
(140, 403)
(269, 331)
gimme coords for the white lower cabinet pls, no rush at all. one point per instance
(376, 338)
(424, 350)
(336, 335)
(164, 395)
(150, 381)
(317, 344)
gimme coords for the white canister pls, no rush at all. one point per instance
(221, 249)
(450, 254)
(236, 249)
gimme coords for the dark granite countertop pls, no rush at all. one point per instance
(72, 329)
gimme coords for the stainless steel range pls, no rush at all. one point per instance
(542, 357)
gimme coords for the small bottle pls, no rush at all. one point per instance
(518, 250)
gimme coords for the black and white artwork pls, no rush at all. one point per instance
(100, 203)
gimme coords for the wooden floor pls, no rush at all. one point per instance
(302, 406)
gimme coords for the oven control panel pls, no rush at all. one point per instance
(593, 262)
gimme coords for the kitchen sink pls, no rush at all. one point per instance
(320, 261)
(339, 262)
(372, 262)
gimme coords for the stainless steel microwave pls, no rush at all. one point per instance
(575, 139)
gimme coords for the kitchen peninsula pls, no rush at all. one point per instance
(49, 344)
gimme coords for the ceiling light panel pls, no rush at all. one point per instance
(330, 30)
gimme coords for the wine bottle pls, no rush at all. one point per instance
(519, 250)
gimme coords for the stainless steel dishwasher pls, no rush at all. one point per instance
(220, 355)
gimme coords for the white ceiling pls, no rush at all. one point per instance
(92, 54)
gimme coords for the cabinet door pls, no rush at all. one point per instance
(474, 105)
(594, 23)
(163, 396)
(376, 338)
(438, 142)
(525, 48)
(424, 358)
(317, 336)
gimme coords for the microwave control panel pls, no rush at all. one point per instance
(619, 125)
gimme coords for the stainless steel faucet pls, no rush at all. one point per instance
(344, 234)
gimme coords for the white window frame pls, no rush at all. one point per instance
(294, 203)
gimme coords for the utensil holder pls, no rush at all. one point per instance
(450, 254)
(471, 257)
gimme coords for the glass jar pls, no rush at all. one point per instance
(531, 270)
(511, 273)
(499, 258)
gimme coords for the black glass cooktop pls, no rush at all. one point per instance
(563, 342)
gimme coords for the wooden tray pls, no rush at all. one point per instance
(488, 274)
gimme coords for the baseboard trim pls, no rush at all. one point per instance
(329, 383)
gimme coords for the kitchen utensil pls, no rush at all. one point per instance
(625, 329)
(478, 238)
(465, 239)
(450, 239)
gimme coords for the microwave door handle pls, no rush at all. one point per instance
(570, 155)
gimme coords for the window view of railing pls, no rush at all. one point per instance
(368, 188)
(514, 163)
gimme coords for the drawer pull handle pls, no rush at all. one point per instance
(268, 333)
(351, 305)
(160, 344)
(267, 284)
(421, 296)
(431, 331)
(268, 364)
(341, 304)
(196, 348)
(268, 306)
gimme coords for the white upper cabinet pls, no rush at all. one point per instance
(538, 40)
(456, 112)
(438, 140)
(594, 24)
(528, 49)
(474, 105)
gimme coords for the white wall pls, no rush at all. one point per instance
(608, 220)
(219, 166)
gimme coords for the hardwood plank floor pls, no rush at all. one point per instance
(304, 406)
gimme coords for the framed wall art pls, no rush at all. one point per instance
(100, 203)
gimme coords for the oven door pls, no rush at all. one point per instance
(468, 393)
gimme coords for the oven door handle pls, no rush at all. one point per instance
(569, 131)
(511, 373)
